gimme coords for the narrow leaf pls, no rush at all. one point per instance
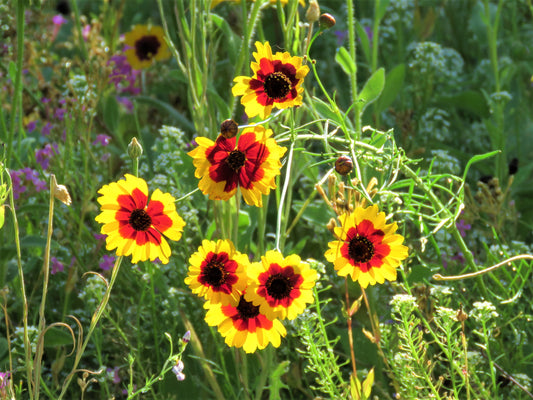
(2, 215)
(345, 61)
(372, 89)
(355, 388)
(393, 85)
(367, 384)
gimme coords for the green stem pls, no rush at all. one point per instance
(16, 106)
(353, 74)
(27, 345)
(94, 321)
(46, 276)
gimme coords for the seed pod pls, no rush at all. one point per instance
(326, 21)
(229, 128)
(343, 165)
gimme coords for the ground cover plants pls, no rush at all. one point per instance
(269, 199)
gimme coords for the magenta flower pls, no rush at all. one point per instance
(57, 266)
(44, 155)
(46, 129)
(102, 140)
(107, 262)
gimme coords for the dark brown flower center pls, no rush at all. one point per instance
(215, 274)
(236, 160)
(278, 286)
(277, 85)
(247, 309)
(140, 220)
(146, 47)
(361, 249)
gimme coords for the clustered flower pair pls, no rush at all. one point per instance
(246, 300)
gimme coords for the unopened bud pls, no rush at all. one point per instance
(229, 128)
(186, 337)
(313, 12)
(61, 192)
(135, 150)
(326, 21)
(343, 165)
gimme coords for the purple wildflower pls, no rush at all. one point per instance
(60, 113)
(44, 155)
(99, 236)
(186, 337)
(123, 76)
(57, 266)
(462, 226)
(4, 379)
(31, 126)
(114, 374)
(341, 37)
(46, 129)
(107, 263)
(18, 184)
(102, 140)
(177, 369)
(126, 102)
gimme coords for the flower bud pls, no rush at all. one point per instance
(186, 337)
(343, 165)
(135, 150)
(326, 21)
(229, 128)
(313, 12)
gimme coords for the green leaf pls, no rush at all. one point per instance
(372, 89)
(12, 71)
(365, 42)
(478, 158)
(355, 388)
(393, 85)
(381, 8)
(244, 219)
(183, 122)
(367, 384)
(469, 100)
(345, 61)
(111, 113)
(56, 336)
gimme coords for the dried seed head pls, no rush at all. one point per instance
(343, 165)
(229, 128)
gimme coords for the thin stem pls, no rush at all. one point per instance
(350, 333)
(281, 214)
(46, 276)
(94, 321)
(27, 346)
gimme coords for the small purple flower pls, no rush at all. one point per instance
(99, 236)
(123, 76)
(31, 126)
(57, 266)
(85, 32)
(126, 102)
(60, 113)
(46, 129)
(4, 379)
(18, 184)
(45, 100)
(107, 262)
(102, 140)
(44, 155)
(186, 337)
(39, 184)
(105, 157)
(59, 20)
(341, 37)
(462, 226)
(114, 374)
(177, 369)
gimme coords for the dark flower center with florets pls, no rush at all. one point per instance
(140, 220)
(236, 160)
(278, 286)
(361, 249)
(215, 274)
(147, 47)
(247, 309)
(277, 85)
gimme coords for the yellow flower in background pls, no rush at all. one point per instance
(135, 225)
(217, 272)
(145, 43)
(244, 325)
(215, 3)
(276, 82)
(368, 249)
(281, 287)
(252, 164)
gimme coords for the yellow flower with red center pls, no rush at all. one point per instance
(276, 82)
(217, 272)
(145, 43)
(244, 325)
(281, 287)
(251, 163)
(368, 249)
(135, 225)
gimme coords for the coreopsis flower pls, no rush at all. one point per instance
(281, 287)
(145, 43)
(367, 248)
(135, 225)
(276, 82)
(251, 163)
(217, 272)
(244, 325)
